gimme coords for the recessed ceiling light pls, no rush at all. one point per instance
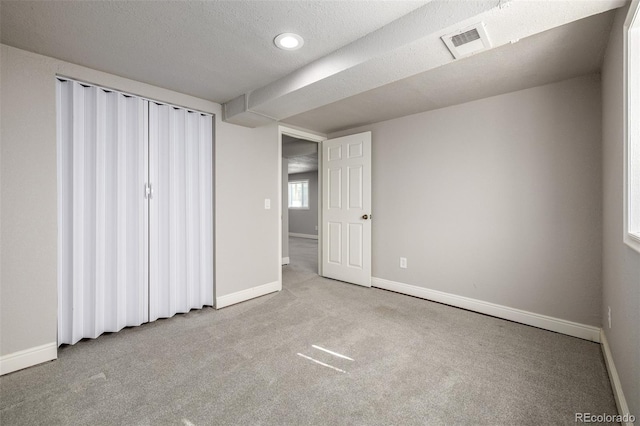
(289, 41)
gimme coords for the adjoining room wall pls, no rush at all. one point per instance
(246, 233)
(285, 205)
(497, 200)
(305, 221)
(621, 265)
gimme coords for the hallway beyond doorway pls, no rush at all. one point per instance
(303, 254)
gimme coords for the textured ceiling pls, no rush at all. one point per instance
(563, 52)
(302, 155)
(214, 50)
(406, 47)
(303, 164)
(362, 62)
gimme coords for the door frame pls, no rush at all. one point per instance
(311, 137)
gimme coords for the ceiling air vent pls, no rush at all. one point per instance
(466, 42)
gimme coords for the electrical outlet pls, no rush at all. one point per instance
(609, 316)
(403, 262)
(267, 203)
(316, 227)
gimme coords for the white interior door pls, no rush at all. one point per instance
(346, 209)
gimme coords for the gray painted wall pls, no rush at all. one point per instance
(246, 233)
(247, 238)
(28, 280)
(497, 199)
(621, 267)
(305, 221)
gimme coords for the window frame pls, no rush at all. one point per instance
(303, 181)
(632, 127)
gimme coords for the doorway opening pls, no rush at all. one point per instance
(343, 209)
(300, 202)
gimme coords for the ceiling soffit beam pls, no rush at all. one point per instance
(299, 149)
(431, 17)
(403, 48)
(236, 111)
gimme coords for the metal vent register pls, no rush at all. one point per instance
(467, 41)
(466, 37)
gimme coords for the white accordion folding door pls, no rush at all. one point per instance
(101, 213)
(181, 211)
(135, 210)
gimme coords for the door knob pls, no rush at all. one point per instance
(365, 217)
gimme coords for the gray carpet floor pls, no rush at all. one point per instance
(265, 362)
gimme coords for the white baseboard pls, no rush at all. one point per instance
(558, 325)
(250, 293)
(286, 261)
(311, 237)
(28, 358)
(621, 402)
